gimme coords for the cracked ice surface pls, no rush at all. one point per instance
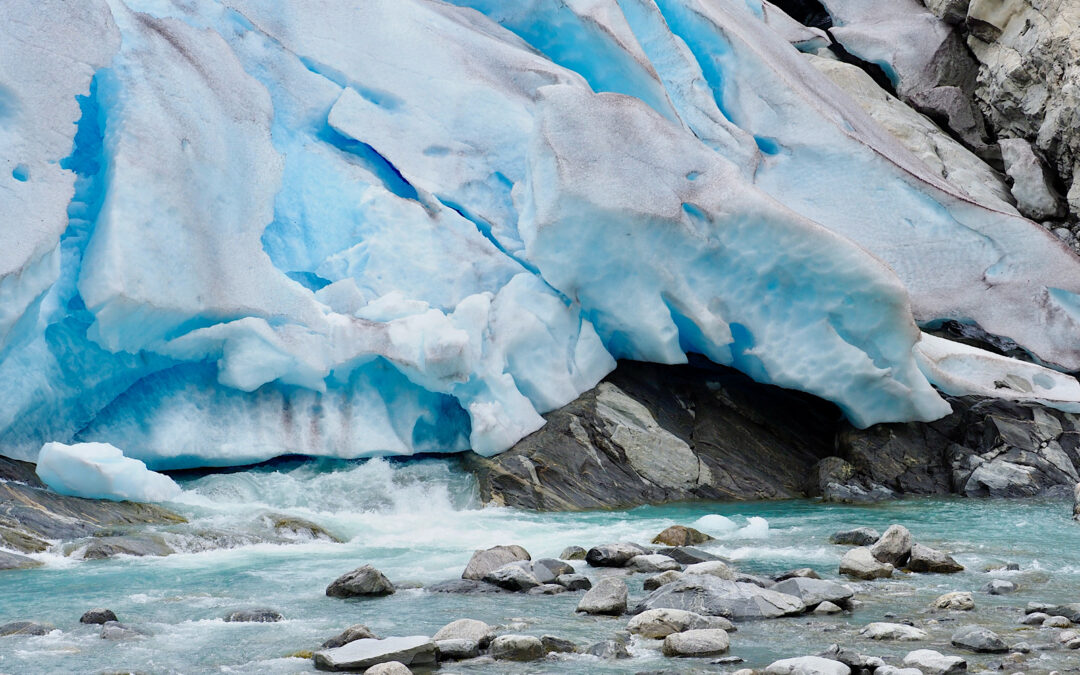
(241, 228)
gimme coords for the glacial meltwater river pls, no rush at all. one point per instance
(420, 521)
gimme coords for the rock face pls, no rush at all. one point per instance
(860, 563)
(486, 561)
(1032, 184)
(697, 643)
(415, 650)
(362, 581)
(652, 434)
(712, 596)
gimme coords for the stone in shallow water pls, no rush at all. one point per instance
(516, 648)
(714, 568)
(362, 581)
(659, 623)
(465, 586)
(926, 559)
(609, 649)
(489, 560)
(1057, 622)
(828, 608)
(390, 668)
(114, 630)
(957, 600)
(860, 536)
(515, 576)
(557, 645)
(24, 628)
(657, 580)
(547, 589)
(881, 630)
(351, 634)
(680, 535)
(713, 596)
(815, 591)
(14, 561)
(654, 562)
(574, 582)
(807, 665)
(931, 662)
(1034, 619)
(802, 573)
(614, 555)
(413, 650)
(894, 547)
(466, 629)
(573, 553)
(97, 616)
(861, 564)
(979, 639)
(608, 596)
(697, 643)
(999, 587)
(254, 616)
(457, 649)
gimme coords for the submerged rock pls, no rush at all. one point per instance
(294, 527)
(25, 628)
(609, 649)
(680, 535)
(1000, 587)
(607, 596)
(362, 581)
(414, 650)
(488, 560)
(351, 634)
(114, 630)
(254, 616)
(97, 616)
(464, 586)
(697, 643)
(135, 544)
(861, 564)
(516, 648)
(894, 546)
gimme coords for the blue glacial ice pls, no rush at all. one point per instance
(239, 228)
(101, 471)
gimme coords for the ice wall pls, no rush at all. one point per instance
(242, 228)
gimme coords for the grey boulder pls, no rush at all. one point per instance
(979, 639)
(466, 629)
(350, 634)
(614, 555)
(97, 616)
(697, 643)
(861, 564)
(24, 628)
(254, 616)
(712, 596)
(362, 581)
(489, 560)
(654, 562)
(659, 623)
(574, 582)
(894, 547)
(926, 559)
(808, 665)
(516, 648)
(413, 650)
(815, 591)
(608, 596)
(457, 649)
(860, 536)
(935, 663)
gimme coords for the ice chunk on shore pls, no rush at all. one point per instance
(101, 471)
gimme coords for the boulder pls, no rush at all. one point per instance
(1034, 619)
(935, 663)
(608, 596)
(548, 569)
(351, 634)
(114, 630)
(1070, 611)
(894, 547)
(389, 668)
(680, 535)
(25, 628)
(610, 649)
(657, 580)
(926, 559)
(815, 591)
(688, 555)
(14, 561)
(827, 607)
(978, 639)
(614, 555)
(515, 576)
(466, 629)
(489, 560)
(957, 600)
(899, 632)
(466, 586)
(659, 623)
(893, 670)
(557, 645)
(1056, 622)
(850, 658)
(860, 536)
(697, 643)
(261, 615)
(861, 564)
(547, 589)
(516, 648)
(712, 596)
(714, 568)
(574, 582)
(361, 582)
(654, 562)
(573, 553)
(457, 649)
(807, 665)
(97, 616)
(999, 587)
(292, 527)
(802, 573)
(359, 655)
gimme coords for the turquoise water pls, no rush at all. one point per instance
(420, 522)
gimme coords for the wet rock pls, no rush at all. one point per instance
(97, 616)
(466, 629)
(114, 630)
(849, 657)
(1067, 636)
(926, 559)
(899, 632)
(135, 544)
(1070, 611)
(827, 607)
(978, 639)
(608, 596)
(466, 586)
(999, 587)
(712, 596)
(860, 536)
(688, 555)
(573, 553)
(14, 561)
(299, 528)
(1032, 183)
(574, 582)
(802, 573)
(557, 645)
(860, 563)
(351, 634)
(359, 655)
(25, 628)
(935, 663)
(659, 623)
(362, 581)
(457, 649)
(653, 563)
(714, 568)
(547, 589)
(549, 569)
(489, 560)
(609, 649)
(389, 668)
(515, 576)
(1034, 619)
(614, 555)
(254, 616)
(516, 648)
(1056, 622)
(656, 581)
(807, 665)
(696, 643)
(760, 582)
(894, 547)
(680, 535)
(957, 600)
(813, 592)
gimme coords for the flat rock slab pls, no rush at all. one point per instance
(814, 591)
(412, 650)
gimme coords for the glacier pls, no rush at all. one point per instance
(238, 229)
(101, 471)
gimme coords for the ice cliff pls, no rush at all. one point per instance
(236, 229)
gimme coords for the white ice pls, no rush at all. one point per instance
(101, 471)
